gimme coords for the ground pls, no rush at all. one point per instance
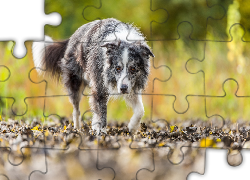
(153, 152)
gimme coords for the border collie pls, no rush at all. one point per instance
(110, 57)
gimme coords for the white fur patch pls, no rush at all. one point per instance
(125, 58)
(38, 52)
(126, 33)
(124, 79)
(137, 105)
(125, 62)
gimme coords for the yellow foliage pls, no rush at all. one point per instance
(35, 128)
(207, 142)
(161, 144)
(172, 128)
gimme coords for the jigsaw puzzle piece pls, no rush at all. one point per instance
(224, 60)
(230, 105)
(126, 162)
(71, 21)
(193, 161)
(220, 169)
(174, 55)
(22, 151)
(183, 122)
(24, 169)
(30, 29)
(74, 163)
(136, 11)
(236, 12)
(19, 95)
(203, 18)
(234, 108)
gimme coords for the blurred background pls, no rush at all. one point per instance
(197, 44)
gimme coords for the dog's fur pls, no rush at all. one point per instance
(99, 55)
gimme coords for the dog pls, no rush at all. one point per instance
(110, 57)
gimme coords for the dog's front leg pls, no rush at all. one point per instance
(98, 103)
(137, 105)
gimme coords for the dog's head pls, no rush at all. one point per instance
(127, 65)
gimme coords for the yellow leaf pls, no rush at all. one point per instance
(172, 128)
(207, 142)
(161, 144)
(203, 142)
(35, 128)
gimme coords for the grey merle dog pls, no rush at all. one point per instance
(110, 57)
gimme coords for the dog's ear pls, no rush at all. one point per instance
(145, 49)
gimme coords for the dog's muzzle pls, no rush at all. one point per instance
(124, 88)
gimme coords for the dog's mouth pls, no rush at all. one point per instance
(124, 92)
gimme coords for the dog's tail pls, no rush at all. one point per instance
(47, 56)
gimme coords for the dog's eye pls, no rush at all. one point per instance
(108, 51)
(118, 68)
(132, 69)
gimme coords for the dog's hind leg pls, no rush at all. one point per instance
(136, 102)
(75, 99)
(75, 87)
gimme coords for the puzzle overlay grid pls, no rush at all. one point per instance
(197, 96)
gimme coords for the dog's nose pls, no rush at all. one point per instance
(124, 88)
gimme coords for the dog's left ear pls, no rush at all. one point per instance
(145, 49)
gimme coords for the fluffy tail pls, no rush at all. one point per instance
(47, 55)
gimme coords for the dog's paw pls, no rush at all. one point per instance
(77, 126)
(133, 127)
(98, 129)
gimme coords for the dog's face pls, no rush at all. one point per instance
(127, 66)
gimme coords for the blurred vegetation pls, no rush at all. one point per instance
(176, 33)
